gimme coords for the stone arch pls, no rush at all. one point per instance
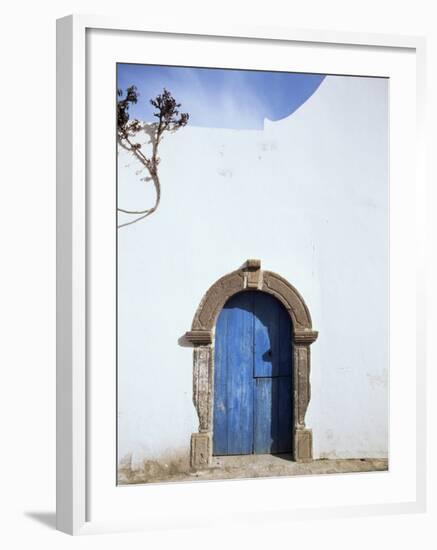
(249, 277)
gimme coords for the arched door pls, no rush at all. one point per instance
(252, 376)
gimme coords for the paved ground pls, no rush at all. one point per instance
(252, 466)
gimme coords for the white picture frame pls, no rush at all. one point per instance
(73, 211)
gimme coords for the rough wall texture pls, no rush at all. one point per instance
(309, 196)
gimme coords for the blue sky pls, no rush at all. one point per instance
(220, 98)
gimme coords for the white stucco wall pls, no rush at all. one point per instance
(308, 195)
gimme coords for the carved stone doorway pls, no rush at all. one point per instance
(249, 277)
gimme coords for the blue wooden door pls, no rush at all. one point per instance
(252, 376)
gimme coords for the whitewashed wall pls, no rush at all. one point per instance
(308, 195)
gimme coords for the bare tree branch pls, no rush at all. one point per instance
(169, 120)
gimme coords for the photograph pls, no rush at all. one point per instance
(252, 273)
(218, 275)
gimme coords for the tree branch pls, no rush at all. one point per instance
(169, 119)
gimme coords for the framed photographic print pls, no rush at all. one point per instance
(238, 328)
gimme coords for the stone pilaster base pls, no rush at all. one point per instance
(303, 445)
(201, 451)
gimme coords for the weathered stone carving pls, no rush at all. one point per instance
(303, 445)
(248, 277)
(199, 337)
(306, 336)
(202, 387)
(252, 271)
(302, 393)
(201, 451)
(290, 297)
(215, 299)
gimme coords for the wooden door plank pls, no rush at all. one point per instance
(272, 415)
(233, 380)
(285, 415)
(272, 373)
(285, 356)
(220, 422)
(239, 379)
(273, 333)
(266, 348)
(263, 404)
